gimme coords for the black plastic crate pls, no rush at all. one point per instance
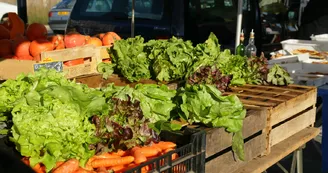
(191, 146)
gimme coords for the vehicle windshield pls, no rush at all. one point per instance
(144, 9)
(65, 4)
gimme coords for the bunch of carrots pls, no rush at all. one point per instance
(117, 162)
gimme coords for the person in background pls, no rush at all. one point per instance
(314, 19)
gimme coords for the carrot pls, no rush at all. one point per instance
(149, 151)
(107, 156)
(112, 162)
(59, 163)
(102, 170)
(81, 170)
(88, 165)
(122, 153)
(69, 166)
(139, 157)
(174, 155)
(179, 169)
(26, 160)
(165, 145)
(39, 168)
(144, 169)
(117, 168)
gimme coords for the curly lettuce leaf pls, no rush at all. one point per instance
(130, 59)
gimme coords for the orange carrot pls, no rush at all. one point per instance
(174, 155)
(26, 160)
(102, 170)
(81, 170)
(106, 156)
(138, 157)
(39, 168)
(179, 168)
(117, 168)
(69, 166)
(144, 169)
(59, 163)
(165, 145)
(88, 165)
(149, 151)
(109, 162)
(122, 153)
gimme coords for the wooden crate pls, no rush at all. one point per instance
(290, 108)
(219, 155)
(90, 53)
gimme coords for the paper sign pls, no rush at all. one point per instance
(57, 65)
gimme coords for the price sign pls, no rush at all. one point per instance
(57, 65)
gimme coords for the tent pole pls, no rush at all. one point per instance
(132, 19)
(239, 21)
(22, 10)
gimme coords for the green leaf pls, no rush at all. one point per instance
(238, 145)
(106, 69)
(164, 125)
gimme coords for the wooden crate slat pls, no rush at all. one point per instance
(285, 93)
(217, 139)
(256, 96)
(301, 86)
(293, 106)
(280, 151)
(293, 126)
(70, 54)
(258, 103)
(226, 162)
(276, 88)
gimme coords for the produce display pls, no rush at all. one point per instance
(177, 60)
(58, 125)
(21, 42)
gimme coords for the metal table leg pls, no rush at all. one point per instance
(299, 158)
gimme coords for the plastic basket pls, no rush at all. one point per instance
(191, 151)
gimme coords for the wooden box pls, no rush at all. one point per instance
(89, 53)
(11, 68)
(290, 108)
(219, 155)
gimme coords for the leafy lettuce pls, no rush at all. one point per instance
(171, 58)
(130, 59)
(205, 104)
(50, 117)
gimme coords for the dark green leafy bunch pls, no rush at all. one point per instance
(205, 54)
(130, 59)
(171, 58)
(233, 65)
(243, 70)
(279, 76)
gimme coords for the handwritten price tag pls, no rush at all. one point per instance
(57, 65)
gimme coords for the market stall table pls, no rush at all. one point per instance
(280, 151)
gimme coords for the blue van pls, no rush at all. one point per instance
(161, 19)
